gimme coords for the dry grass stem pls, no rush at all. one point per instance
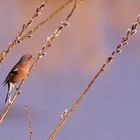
(29, 121)
(23, 29)
(47, 19)
(124, 41)
(39, 56)
(21, 35)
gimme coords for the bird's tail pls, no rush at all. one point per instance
(4, 83)
(8, 96)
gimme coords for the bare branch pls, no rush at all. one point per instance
(40, 55)
(20, 37)
(124, 41)
(29, 121)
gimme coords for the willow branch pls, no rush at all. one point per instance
(46, 20)
(39, 56)
(29, 121)
(124, 41)
(17, 40)
(20, 37)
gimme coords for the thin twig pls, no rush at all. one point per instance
(23, 29)
(47, 19)
(124, 41)
(20, 37)
(29, 121)
(40, 55)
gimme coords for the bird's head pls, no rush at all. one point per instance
(26, 58)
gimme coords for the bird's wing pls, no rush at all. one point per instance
(11, 74)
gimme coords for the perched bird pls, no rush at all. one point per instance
(17, 74)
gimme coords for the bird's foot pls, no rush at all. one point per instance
(28, 74)
(9, 101)
(18, 90)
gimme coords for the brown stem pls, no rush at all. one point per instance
(36, 61)
(108, 61)
(29, 121)
(20, 37)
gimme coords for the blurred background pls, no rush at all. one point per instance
(111, 108)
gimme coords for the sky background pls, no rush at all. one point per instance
(110, 111)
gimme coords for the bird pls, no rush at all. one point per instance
(17, 74)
